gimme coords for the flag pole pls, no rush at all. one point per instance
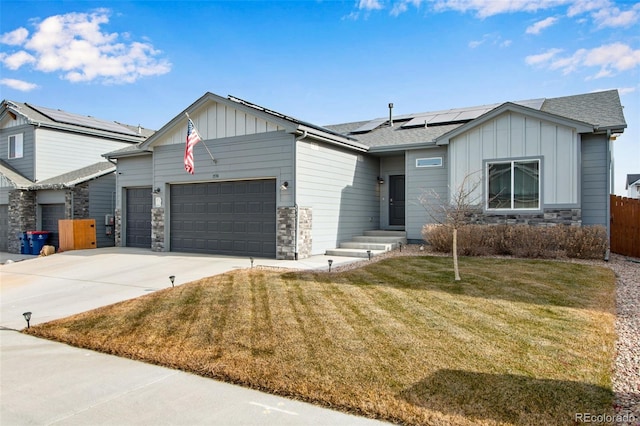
(202, 140)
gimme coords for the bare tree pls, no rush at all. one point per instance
(455, 211)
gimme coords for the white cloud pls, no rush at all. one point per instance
(614, 17)
(15, 37)
(610, 58)
(16, 60)
(487, 8)
(369, 5)
(541, 25)
(583, 6)
(542, 57)
(491, 39)
(23, 86)
(75, 46)
(403, 5)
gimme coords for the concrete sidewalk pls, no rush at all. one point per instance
(43, 382)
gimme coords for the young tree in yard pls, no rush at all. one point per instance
(455, 211)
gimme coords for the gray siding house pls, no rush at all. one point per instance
(267, 184)
(51, 167)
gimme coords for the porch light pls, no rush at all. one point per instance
(27, 317)
(380, 180)
(172, 278)
(284, 186)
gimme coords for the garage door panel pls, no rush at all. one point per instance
(138, 219)
(234, 218)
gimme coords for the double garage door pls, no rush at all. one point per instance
(232, 218)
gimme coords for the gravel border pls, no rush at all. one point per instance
(626, 374)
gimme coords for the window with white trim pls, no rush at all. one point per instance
(513, 185)
(15, 146)
(429, 162)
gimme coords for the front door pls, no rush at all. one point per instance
(396, 200)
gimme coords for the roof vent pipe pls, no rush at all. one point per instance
(391, 114)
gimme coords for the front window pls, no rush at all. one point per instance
(513, 185)
(15, 146)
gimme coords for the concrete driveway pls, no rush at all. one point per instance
(43, 382)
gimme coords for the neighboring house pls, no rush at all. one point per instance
(51, 167)
(284, 188)
(633, 186)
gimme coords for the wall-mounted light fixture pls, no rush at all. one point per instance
(156, 191)
(284, 186)
(380, 180)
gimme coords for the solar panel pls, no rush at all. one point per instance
(370, 125)
(419, 120)
(532, 103)
(79, 120)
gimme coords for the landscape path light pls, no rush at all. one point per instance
(330, 261)
(27, 317)
(172, 278)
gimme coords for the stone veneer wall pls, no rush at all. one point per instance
(157, 229)
(286, 233)
(549, 217)
(117, 231)
(76, 202)
(306, 221)
(22, 216)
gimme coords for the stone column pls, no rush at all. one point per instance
(157, 229)
(22, 216)
(286, 233)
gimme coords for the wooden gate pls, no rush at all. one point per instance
(625, 226)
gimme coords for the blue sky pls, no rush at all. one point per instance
(327, 62)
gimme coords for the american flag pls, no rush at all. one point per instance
(193, 137)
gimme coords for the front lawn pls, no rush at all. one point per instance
(516, 341)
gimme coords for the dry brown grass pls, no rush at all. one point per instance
(514, 342)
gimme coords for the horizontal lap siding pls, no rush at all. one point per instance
(133, 172)
(102, 202)
(61, 152)
(249, 157)
(594, 180)
(341, 188)
(25, 164)
(421, 181)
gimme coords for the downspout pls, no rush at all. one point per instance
(295, 191)
(609, 183)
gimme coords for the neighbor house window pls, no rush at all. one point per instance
(429, 162)
(513, 185)
(15, 146)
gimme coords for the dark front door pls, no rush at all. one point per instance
(396, 200)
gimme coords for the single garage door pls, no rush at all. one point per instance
(232, 218)
(139, 217)
(51, 213)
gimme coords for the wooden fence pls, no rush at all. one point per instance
(625, 226)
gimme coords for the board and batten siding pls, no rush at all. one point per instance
(422, 181)
(24, 165)
(218, 121)
(342, 190)
(59, 152)
(515, 136)
(102, 201)
(595, 187)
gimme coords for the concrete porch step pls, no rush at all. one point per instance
(369, 246)
(382, 233)
(378, 239)
(353, 252)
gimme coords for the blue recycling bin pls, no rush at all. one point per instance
(25, 247)
(38, 240)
